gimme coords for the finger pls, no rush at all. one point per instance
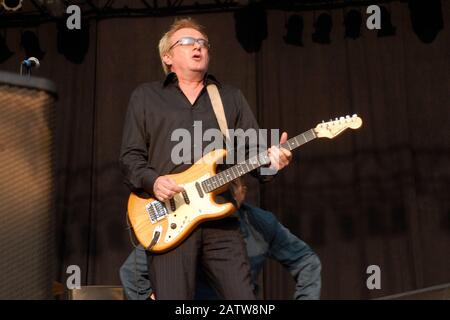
(165, 182)
(283, 161)
(176, 188)
(165, 193)
(274, 156)
(287, 154)
(274, 153)
(282, 156)
(168, 193)
(284, 137)
(173, 186)
(285, 151)
(166, 188)
(173, 189)
(160, 197)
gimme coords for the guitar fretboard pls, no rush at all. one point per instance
(253, 163)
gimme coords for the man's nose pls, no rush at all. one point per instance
(197, 45)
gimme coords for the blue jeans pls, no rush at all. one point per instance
(265, 237)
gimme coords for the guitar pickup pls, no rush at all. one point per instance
(173, 206)
(185, 197)
(199, 189)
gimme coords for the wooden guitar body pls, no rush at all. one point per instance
(175, 225)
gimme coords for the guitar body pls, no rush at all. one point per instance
(149, 216)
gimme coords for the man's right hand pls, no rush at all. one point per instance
(165, 188)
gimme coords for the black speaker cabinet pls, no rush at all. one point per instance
(27, 187)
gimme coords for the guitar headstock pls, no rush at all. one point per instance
(335, 127)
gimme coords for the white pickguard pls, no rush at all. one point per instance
(186, 213)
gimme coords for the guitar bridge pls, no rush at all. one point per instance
(156, 211)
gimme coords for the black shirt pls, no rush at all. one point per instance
(155, 111)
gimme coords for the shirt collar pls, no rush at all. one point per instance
(172, 78)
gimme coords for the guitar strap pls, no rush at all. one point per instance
(217, 105)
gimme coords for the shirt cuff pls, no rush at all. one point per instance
(148, 180)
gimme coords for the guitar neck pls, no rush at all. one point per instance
(253, 163)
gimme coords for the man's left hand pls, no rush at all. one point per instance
(279, 157)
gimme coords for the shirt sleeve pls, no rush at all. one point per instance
(246, 120)
(139, 175)
(299, 259)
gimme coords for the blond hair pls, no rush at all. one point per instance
(164, 43)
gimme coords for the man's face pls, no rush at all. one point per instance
(187, 58)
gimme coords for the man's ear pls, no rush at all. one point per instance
(167, 59)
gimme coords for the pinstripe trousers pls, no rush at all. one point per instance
(215, 246)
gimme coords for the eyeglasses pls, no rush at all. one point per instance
(189, 41)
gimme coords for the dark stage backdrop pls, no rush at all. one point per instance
(376, 196)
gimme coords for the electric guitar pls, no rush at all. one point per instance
(161, 226)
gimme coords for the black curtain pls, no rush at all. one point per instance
(375, 196)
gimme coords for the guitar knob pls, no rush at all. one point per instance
(173, 225)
